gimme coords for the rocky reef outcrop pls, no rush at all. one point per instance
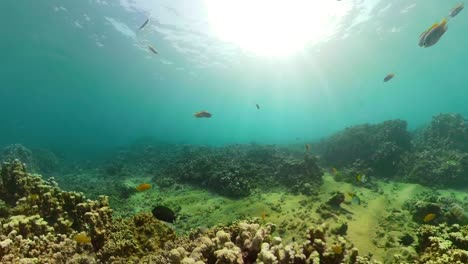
(37, 160)
(440, 156)
(237, 170)
(436, 155)
(374, 146)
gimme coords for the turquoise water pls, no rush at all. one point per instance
(76, 77)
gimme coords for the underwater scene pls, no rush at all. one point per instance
(233, 132)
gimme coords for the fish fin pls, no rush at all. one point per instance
(436, 24)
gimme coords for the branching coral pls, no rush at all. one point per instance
(443, 244)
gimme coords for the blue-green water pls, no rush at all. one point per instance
(75, 78)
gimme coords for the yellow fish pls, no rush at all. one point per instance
(264, 215)
(361, 178)
(337, 249)
(429, 217)
(82, 238)
(334, 171)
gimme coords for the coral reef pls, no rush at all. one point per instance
(435, 167)
(441, 153)
(39, 222)
(443, 244)
(446, 131)
(37, 160)
(46, 224)
(378, 146)
(249, 242)
(237, 170)
(447, 209)
(436, 155)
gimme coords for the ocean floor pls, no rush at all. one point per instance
(374, 226)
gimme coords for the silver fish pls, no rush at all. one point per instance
(152, 49)
(144, 24)
(456, 9)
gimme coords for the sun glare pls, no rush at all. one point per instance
(274, 27)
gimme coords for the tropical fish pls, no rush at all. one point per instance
(82, 238)
(432, 35)
(143, 187)
(202, 114)
(356, 200)
(429, 217)
(164, 213)
(34, 197)
(144, 24)
(307, 147)
(258, 107)
(389, 77)
(334, 171)
(264, 215)
(361, 178)
(456, 9)
(152, 49)
(337, 249)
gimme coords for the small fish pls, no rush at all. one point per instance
(389, 77)
(264, 215)
(144, 24)
(432, 35)
(337, 249)
(202, 114)
(82, 238)
(429, 217)
(164, 213)
(361, 178)
(456, 9)
(34, 197)
(334, 171)
(258, 107)
(143, 187)
(152, 49)
(307, 147)
(354, 198)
